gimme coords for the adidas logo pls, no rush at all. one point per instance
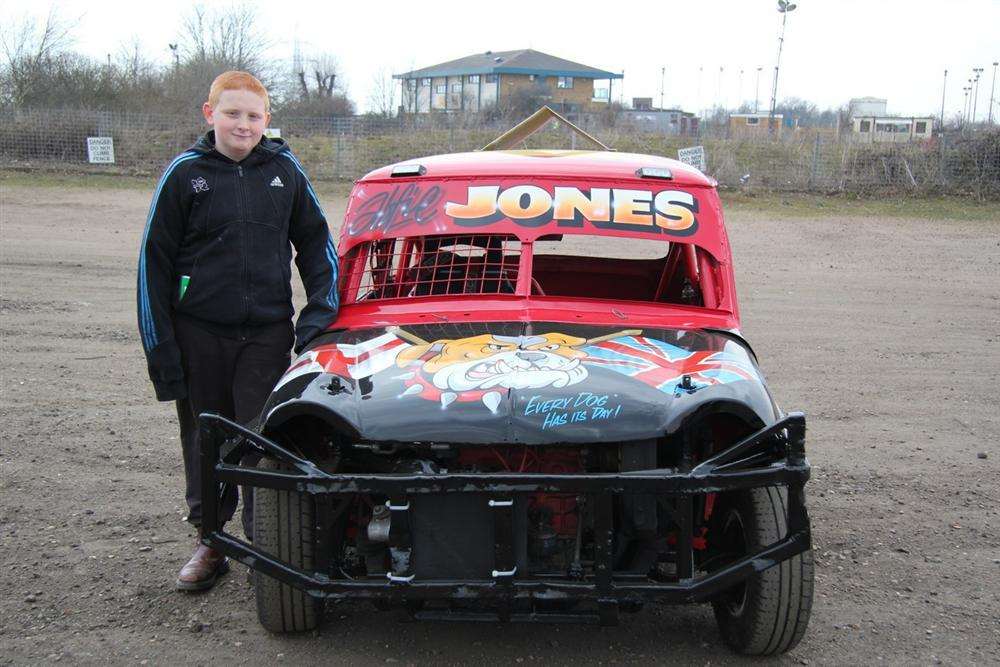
(276, 183)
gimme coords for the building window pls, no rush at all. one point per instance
(921, 127)
(531, 77)
(564, 82)
(425, 82)
(491, 78)
(441, 88)
(753, 121)
(473, 78)
(456, 87)
(601, 93)
(411, 84)
(865, 126)
(892, 128)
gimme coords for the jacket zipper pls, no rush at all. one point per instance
(243, 239)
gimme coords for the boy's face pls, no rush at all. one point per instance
(239, 120)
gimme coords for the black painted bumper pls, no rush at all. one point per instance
(774, 455)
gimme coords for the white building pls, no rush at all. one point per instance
(892, 128)
(868, 106)
(871, 122)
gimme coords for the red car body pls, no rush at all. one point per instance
(494, 428)
(408, 207)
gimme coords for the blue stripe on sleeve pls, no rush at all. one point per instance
(309, 187)
(332, 298)
(147, 326)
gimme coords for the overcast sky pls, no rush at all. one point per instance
(834, 49)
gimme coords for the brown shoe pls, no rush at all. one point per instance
(200, 573)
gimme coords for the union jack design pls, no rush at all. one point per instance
(348, 360)
(662, 365)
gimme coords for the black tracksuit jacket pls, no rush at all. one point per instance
(230, 226)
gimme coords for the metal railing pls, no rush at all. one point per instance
(345, 148)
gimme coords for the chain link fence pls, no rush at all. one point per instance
(347, 148)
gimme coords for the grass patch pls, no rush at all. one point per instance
(105, 181)
(99, 181)
(797, 205)
(784, 205)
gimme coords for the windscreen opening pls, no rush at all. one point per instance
(627, 269)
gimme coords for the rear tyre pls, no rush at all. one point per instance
(283, 527)
(767, 614)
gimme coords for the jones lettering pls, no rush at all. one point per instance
(667, 211)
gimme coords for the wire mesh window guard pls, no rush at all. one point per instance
(431, 265)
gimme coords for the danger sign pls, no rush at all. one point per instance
(100, 150)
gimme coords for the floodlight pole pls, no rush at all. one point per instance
(968, 101)
(944, 87)
(975, 96)
(992, 86)
(663, 76)
(718, 93)
(783, 8)
(756, 92)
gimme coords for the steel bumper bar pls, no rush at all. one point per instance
(774, 455)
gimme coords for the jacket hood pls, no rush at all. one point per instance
(511, 382)
(265, 149)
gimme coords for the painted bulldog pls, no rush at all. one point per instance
(476, 368)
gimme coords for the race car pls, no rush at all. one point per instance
(536, 404)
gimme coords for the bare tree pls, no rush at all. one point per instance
(317, 77)
(382, 97)
(28, 47)
(212, 40)
(227, 37)
(316, 88)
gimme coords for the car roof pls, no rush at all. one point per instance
(546, 163)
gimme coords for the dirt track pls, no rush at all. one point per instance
(885, 332)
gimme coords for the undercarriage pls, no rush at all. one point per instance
(514, 532)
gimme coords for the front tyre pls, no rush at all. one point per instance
(768, 613)
(283, 527)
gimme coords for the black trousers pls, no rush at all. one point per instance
(231, 375)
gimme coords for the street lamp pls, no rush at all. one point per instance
(965, 104)
(784, 7)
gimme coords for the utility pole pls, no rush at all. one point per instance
(784, 7)
(992, 86)
(965, 104)
(944, 87)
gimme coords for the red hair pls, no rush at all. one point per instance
(236, 80)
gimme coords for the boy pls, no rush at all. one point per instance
(214, 285)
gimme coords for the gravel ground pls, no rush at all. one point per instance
(884, 331)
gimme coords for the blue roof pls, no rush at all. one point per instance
(525, 61)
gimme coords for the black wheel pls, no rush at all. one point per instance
(283, 526)
(769, 612)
